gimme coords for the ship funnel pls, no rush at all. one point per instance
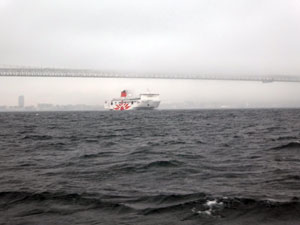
(124, 94)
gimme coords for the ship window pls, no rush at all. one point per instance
(111, 103)
(132, 103)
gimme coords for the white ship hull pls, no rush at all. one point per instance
(144, 102)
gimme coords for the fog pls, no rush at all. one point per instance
(206, 37)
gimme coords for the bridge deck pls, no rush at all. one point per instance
(49, 72)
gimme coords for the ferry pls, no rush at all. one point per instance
(147, 101)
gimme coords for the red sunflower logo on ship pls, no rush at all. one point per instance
(122, 106)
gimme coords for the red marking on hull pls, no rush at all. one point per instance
(122, 106)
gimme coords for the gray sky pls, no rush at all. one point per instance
(207, 36)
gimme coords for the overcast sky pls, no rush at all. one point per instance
(199, 36)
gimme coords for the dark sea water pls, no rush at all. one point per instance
(150, 167)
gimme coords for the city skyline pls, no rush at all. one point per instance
(52, 106)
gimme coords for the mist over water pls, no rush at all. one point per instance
(232, 37)
(158, 167)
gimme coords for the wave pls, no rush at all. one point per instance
(86, 201)
(141, 166)
(162, 163)
(96, 155)
(290, 145)
(91, 140)
(189, 206)
(286, 138)
(222, 207)
(37, 137)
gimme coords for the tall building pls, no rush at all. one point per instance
(21, 101)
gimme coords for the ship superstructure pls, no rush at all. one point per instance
(146, 101)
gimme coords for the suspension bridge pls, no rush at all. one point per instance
(54, 72)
